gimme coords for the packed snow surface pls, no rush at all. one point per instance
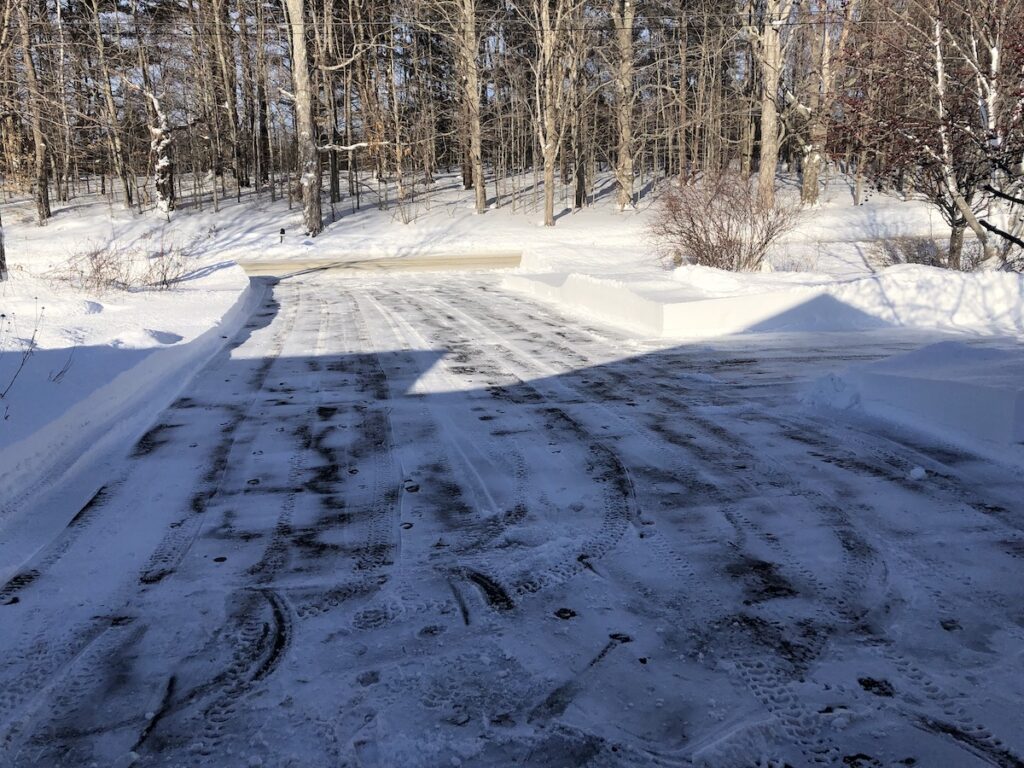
(420, 519)
(427, 522)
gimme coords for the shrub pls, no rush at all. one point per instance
(719, 221)
(924, 250)
(166, 266)
(104, 267)
(100, 268)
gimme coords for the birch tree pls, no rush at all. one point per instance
(113, 122)
(768, 19)
(623, 15)
(550, 21)
(944, 112)
(537, 97)
(831, 28)
(461, 18)
(3, 253)
(158, 124)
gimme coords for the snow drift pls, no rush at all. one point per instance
(976, 392)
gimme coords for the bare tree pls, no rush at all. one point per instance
(550, 22)
(623, 14)
(768, 19)
(537, 97)
(3, 253)
(830, 29)
(957, 143)
(113, 122)
(306, 138)
(41, 185)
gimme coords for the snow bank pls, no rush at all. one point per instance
(110, 394)
(103, 365)
(704, 302)
(975, 391)
(600, 298)
(928, 297)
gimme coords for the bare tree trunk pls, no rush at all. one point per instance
(309, 160)
(163, 164)
(813, 162)
(261, 142)
(858, 189)
(353, 187)
(623, 14)
(42, 191)
(946, 160)
(550, 155)
(113, 133)
(10, 124)
(160, 138)
(228, 63)
(956, 244)
(822, 97)
(684, 163)
(550, 83)
(63, 192)
(747, 146)
(547, 84)
(769, 54)
(3, 253)
(472, 95)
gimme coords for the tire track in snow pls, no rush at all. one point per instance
(45, 657)
(445, 487)
(891, 466)
(183, 533)
(603, 467)
(48, 660)
(770, 684)
(800, 724)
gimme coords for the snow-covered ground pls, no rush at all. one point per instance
(84, 371)
(970, 392)
(424, 519)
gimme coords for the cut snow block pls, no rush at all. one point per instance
(606, 300)
(977, 391)
(790, 311)
(793, 310)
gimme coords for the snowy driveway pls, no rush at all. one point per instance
(422, 522)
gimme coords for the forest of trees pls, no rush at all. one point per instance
(159, 103)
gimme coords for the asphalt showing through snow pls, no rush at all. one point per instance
(423, 522)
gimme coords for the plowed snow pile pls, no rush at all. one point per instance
(84, 371)
(704, 302)
(974, 392)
